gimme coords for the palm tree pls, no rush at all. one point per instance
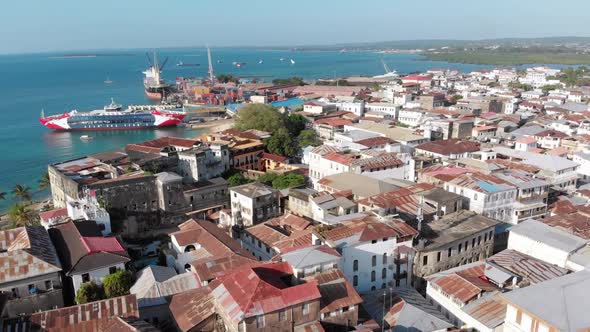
(20, 214)
(44, 182)
(21, 192)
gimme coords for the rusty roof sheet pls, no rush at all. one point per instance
(26, 252)
(128, 324)
(207, 269)
(464, 283)
(388, 199)
(86, 317)
(369, 228)
(527, 267)
(211, 238)
(337, 292)
(253, 291)
(574, 223)
(315, 326)
(489, 310)
(450, 146)
(191, 308)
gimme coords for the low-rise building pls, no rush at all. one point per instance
(253, 203)
(371, 251)
(448, 149)
(456, 239)
(85, 254)
(30, 271)
(204, 162)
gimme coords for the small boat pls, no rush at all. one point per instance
(292, 61)
(86, 138)
(182, 64)
(261, 61)
(219, 61)
(108, 81)
(282, 59)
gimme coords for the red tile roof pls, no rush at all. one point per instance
(375, 141)
(388, 199)
(55, 213)
(368, 229)
(273, 157)
(106, 244)
(337, 292)
(464, 285)
(334, 122)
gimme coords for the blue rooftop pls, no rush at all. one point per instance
(288, 102)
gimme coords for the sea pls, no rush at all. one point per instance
(56, 83)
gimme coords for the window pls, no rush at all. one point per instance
(384, 273)
(32, 289)
(355, 281)
(479, 240)
(459, 248)
(48, 284)
(450, 251)
(112, 269)
(385, 258)
(305, 308)
(282, 315)
(85, 277)
(355, 265)
(374, 260)
(425, 260)
(372, 275)
(438, 257)
(491, 235)
(473, 243)
(260, 321)
(373, 288)
(383, 286)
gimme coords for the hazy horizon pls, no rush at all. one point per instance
(39, 26)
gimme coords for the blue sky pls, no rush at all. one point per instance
(42, 25)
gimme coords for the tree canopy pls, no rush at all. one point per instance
(308, 137)
(261, 117)
(118, 283)
(89, 292)
(44, 181)
(226, 78)
(21, 192)
(288, 81)
(281, 143)
(237, 179)
(21, 214)
(288, 181)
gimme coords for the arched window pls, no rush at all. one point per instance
(383, 273)
(355, 281)
(374, 260)
(355, 265)
(189, 248)
(372, 275)
(385, 258)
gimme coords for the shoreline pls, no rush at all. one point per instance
(214, 126)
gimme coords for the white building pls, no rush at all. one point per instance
(309, 261)
(369, 248)
(411, 117)
(387, 108)
(583, 158)
(541, 241)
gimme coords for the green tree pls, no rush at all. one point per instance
(89, 292)
(288, 81)
(44, 181)
(267, 178)
(118, 283)
(308, 137)
(226, 78)
(20, 214)
(281, 143)
(288, 181)
(237, 179)
(295, 123)
(21, 192)
(455, 98)
(549, 87)
(261, 117)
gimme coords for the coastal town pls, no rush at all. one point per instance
(431, 201)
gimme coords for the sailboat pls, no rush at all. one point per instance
(388, 72)
(260, 61)
(292, 61)
(108, 81)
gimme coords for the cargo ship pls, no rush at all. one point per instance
(113, 117)
(155, 86)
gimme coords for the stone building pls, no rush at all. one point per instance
(456, 239)
(253, 203)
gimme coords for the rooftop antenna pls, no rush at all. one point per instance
(210, 71)
(383, 318)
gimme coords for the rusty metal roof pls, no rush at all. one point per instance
(489, 310)
(527, 267)
(337, 292)
(462, 284)
(86, 317)
(368, 228)
(191, 308)
(26, 252)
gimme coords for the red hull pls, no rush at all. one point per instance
(164, 125)
(153, 95)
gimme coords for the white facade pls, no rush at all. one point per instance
(536, 249)
(497, 205)
(410, 117)
(203, 163)
(97, 275)
(387, 108)
(583, 159)
(526, 322)
(88, 208)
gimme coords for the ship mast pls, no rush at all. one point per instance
(210, 65)
(156, 68)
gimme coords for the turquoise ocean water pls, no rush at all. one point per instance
(32, 82)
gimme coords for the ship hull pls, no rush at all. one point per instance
(106, 122)
(153, 95)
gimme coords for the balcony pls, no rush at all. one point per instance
(532, 197)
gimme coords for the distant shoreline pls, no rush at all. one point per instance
(83, 55)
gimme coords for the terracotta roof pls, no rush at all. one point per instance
(273, 157)
(526, 140)
(252, 291)
(192, 308)
(415, 77)
(52, 214)
(551, 133)
(334, 122)
(375, 141)
(86, 317)
(388, 199)
(340, 158)
(211, 238)
(26, 252)
(337, 292)
(284, 231)
(208, 269)
(97, 244)
(450, 146)
(369, 228)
